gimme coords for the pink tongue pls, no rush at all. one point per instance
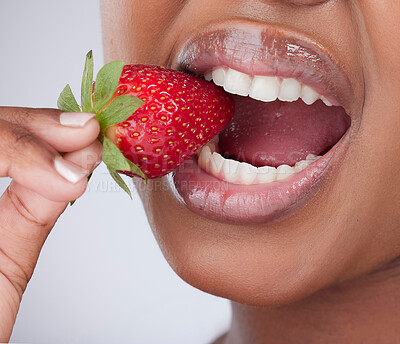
(280, 133)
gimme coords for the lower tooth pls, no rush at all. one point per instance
(301, 165)
(284, 171)
(247, 172)
(230, 170)
(312, 158)
(217, 162)
(266, 174)
(236, 172)
(204, 157)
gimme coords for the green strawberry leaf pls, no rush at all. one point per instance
(106, 84)
(114, 159)
(87, 84)
(118, 179)
(108, 113)
(119, 110)
(136, 170)
(66, 101)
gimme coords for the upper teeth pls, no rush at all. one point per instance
(243, 173)
(264, 88)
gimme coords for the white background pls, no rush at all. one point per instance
(101, 277)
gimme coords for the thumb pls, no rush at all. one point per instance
(22, 235)
(26, 219)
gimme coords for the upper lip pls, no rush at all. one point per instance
(263, 49)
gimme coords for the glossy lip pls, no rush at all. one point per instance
(257, 49)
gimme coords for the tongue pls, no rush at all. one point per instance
(280, 133)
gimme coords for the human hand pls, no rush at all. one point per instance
(43, 183)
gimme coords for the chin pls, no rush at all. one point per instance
(262, 264)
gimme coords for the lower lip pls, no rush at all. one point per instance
(225, 202)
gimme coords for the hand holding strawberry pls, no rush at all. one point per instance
(152, 119)
(42, 185)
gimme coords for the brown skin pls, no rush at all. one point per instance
(29, 143)
(328, 272)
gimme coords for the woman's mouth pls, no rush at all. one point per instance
(291, 128)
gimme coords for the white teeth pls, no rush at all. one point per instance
(236, 172)
(205, 156)
(290, 90)
(208, 76)
(248, 173)
(284, 171)
(265, 88)
(237, 83)
(308, 95)
(217, 162)
(266, 174)
(218, 75)
(312, 157)
(326, 101)
(230, 170)
(301, 165)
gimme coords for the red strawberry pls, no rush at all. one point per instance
(181, 113)
(152, 119)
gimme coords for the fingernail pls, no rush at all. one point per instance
(71, 172)
(75, 119)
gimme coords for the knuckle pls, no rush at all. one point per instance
(23, 138)
(24, 213)
(18, 143)
(12, 138)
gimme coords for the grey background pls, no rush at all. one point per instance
(101, 277)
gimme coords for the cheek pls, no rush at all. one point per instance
(381, 40)
(378, 138)
(136, 30)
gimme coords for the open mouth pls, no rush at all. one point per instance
(288, 130)
(280, 127)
